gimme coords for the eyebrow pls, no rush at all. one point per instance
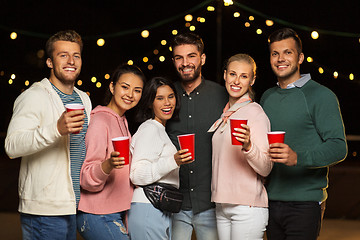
(129, 85)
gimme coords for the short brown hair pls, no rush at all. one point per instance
(188, 38)
(285, 33)
(67, 35)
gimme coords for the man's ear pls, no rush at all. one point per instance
(202, 59)
(49, 63)
(301, 58)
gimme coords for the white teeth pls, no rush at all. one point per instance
(235, 88)
(70, 69)
(166, 109)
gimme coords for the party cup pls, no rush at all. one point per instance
(73, 107)
(187, 141)
(236, 123)
(121, 145)
(276, 137)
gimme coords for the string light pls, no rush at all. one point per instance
(269, 23)
(314, 35)
(79, 82)
(145, 33)
(130, 62)
(188, 18)
(336, 74)
(107, 76)
(210, 8)
(236, 14)
(93, 79)
(351, 76)
(27, 83)
(309, 59)
(174, 32)
(192, 28)
(259, 31)
(13, 35)
(247, 24)
(228, 3)
(321, 70)
(98, 84)
(100, 42)
(163, 42)
(251, 18)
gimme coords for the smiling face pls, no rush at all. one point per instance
(126, 93)
(65, 64)
(239, 76)
(188, 62)
(285, 60)
(164, 104)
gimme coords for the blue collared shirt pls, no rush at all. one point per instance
(300, 82)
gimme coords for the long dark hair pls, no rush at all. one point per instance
(145, 110)
(119, 71)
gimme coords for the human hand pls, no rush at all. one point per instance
(114, 162)
(243, 135)
(183, 156)
(70, 122)
(282, 153)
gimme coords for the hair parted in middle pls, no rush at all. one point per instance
(145, 107)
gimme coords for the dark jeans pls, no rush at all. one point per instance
(294, 220)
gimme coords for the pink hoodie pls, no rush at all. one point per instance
(102, 193)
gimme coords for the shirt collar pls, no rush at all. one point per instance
(197, 89)
(300, 82)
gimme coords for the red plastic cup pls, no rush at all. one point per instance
(276, 137)
(236, 123)
(122, 145)
(187, 141)
(73, 107)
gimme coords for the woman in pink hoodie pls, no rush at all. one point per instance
(239, 170)
(106, 188)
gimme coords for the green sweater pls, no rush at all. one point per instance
(310, 116)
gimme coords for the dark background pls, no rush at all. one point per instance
(121, 22)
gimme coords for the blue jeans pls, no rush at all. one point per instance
(107, 226)
(204, 224)
(146, 222)
(36, 227)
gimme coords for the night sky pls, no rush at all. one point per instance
(120, 24)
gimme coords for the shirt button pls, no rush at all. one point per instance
(183, 94)
(189, 116)
(192, 189)
(197, 93)
(190, 98)
(191, 171)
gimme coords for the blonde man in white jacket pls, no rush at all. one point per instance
(42, 133)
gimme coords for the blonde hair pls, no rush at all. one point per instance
(242, 57)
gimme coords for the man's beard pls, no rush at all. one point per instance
(64, 79)
(190, 77)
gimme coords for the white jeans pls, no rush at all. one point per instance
(241, 222)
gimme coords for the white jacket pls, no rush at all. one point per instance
(45, 186)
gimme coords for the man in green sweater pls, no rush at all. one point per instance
(309, 113)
